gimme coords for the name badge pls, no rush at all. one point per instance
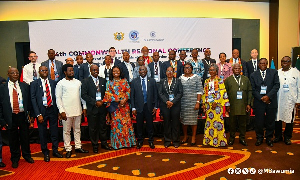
(107, 78)
(222, 77)
(171, 97)
(239, 94)
(98, 96)
(156, 78)
(34, 78)
(45, 101)
(21, 107)
(286, 88)
(263, 90)
(210, 98)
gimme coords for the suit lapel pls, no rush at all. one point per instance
(92, 84)
(6, 92)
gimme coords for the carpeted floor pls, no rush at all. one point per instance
(185, 162)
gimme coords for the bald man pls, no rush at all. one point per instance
(236, 59)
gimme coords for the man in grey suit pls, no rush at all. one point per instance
(144, 104)
(53, 65)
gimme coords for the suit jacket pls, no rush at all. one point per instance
(137, 97)
(76, 72)
(5, 106)
(245, 72)
(102, 71)
(206, 69)
(116, 62)
(58, 65)
(151, 66)
(271, 81)
(250, 68)
(124, 69)
(238, 106)
(84, 70)
(163, 92)
(167, 64)
(37, 94)
(88, 93)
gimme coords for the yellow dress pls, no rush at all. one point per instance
(214, 133)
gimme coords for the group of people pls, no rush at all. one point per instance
(119, 90)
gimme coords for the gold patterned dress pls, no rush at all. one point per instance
(214, 91)
(122, 134)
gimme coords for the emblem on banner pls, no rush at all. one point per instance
(134, 35)
(119, 36)
(153, 34)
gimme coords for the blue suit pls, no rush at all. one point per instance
(84, 70)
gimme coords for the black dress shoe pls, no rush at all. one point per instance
(167, 145)
(2, 164)
(258, 142)
(139, 145)
(276, 140)
(29, 160)
(106, 146)
(176, 145)
(151, 145)
(230, 142)
(68, 154)
(269, 143)
(15, 164)
(80, 150)
(57, 154)
(46, 158)
(287, 141)
(95, 149)
(243, 142)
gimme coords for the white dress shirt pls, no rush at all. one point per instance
(11, 86)
(254, 64)
(28, 72)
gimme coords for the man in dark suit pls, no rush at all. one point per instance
(53, 65)
(182, 57)
(143, 103)
(207, 61)
(92, 91)
(114, 60)
(84, 70)
(2, 81)
(14, 106)
(252, 65)
(79, 60)
(236, 59)
(127, 67)
(44, 106)
(265, 85)
(177, 65)
(156, 68)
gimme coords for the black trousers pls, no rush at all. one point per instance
(140, 123)
(53, 128)
(288, 129)
(171, 124)
(265, 116)
(19, 137)
(241, 120)
(97, 128)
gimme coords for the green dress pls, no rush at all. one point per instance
(214, 133)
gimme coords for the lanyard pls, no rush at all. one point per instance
(239, 83)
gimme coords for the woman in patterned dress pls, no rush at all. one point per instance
(190, 101)
(118, 90)
(214, 98)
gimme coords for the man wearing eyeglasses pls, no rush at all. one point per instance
(30, 71)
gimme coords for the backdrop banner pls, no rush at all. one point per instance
(70, 38)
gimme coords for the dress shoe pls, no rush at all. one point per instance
(57, 154)
(95, 149)
(15, 164)
(277, 139)
(68, 154)
(139, 145)
(269, 143)
(243, 142)
(231, 142)
(2, 164)
(176, 145)
(167, 145)
(106, 146)
(80, 150)
(183, 142)
(151, 145)
(46, 158)
(29, 160)
(193, 143)
(287, 141)
(258, 142)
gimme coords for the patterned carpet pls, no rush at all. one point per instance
(185, 162)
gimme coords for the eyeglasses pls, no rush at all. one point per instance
(33, 56)
(188, 67)
(287, 61)
(169, 71)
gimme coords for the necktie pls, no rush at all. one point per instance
(48, 96)
(254, 65)
(16, 109)
(111, 61)
(155, 69)
(263, 74)
(34, 71)
(183, 63)
(52, 74)
(144, 90)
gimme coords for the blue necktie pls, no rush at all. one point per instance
(144, 91)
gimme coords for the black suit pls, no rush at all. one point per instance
(144, 109)
(171, 116)
(18, 126)
(265, 112)
(84, 70)
(125, 71)
(48, 113)
(151, 67)
(96, 115)
(167, 64)
(116, 62)
(204, 61)
(250, 68)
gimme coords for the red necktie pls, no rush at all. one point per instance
(16, 109)
(48, 96)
